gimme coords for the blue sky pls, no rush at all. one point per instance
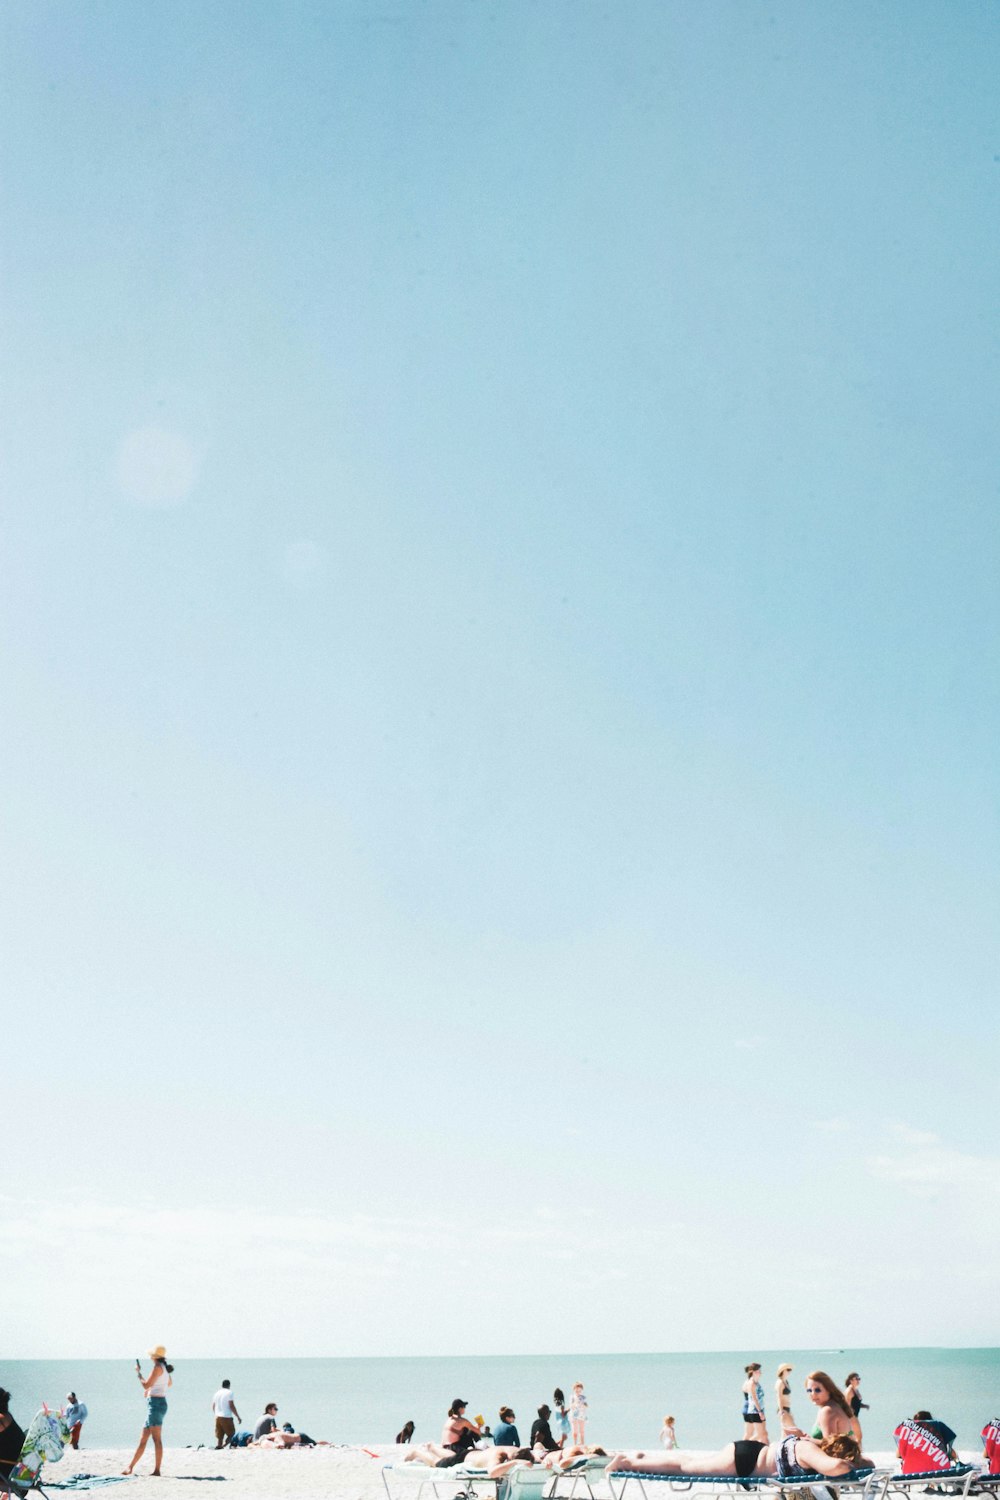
(500, 628)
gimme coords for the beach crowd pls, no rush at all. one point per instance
(557, 1440)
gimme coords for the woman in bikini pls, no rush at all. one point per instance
(792, 1458)
(834, 1417)
(494, 1462)
(782, 1394)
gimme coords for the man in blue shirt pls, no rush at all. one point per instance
(505, 1435)
(74, 1416)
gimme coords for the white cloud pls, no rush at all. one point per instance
(931, 1170)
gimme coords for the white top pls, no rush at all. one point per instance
(222, 1402)
(160, 1384)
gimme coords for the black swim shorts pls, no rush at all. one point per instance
(746, 1454)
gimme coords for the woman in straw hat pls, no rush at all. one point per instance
(155, 1385)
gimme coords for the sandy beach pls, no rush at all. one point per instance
(257, 1472)
(349, 1473)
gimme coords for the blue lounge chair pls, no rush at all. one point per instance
(955, 1480)
(854, 1482)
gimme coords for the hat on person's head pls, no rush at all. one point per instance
(71, 1395)
(158, 1353)
(459, 1402)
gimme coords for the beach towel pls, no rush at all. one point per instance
(991, 1445)
(84, 1481)
(919, 1450)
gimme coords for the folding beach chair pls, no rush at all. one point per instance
(45, 1440)
(576, 1483)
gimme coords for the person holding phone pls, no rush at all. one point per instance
(155, 1385)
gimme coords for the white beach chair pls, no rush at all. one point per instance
(415, 1481)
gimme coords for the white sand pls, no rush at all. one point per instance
(258, 1473)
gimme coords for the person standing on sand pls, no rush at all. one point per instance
(668, 1436)
(754, 1420)
(577, 1414)
(155, 1385)
(783, 1397)
(560, 1420)
(226, 1415)
(852, 1390)
(75, 1415)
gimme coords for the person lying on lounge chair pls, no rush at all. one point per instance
(570, 1457)
(792, 1458)
(495, 1462)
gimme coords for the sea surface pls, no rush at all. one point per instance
(368, 1400)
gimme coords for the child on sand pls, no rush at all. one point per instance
(668, 1437)
(578, 1413)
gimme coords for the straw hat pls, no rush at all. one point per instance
(158, 1353)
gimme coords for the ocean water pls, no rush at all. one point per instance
(368, 1400)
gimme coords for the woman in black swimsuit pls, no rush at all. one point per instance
(782, 1394)
(792, 1457)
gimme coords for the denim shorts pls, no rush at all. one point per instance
(156, 1410)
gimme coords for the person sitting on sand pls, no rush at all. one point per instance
(506, 1435)
(289, 1438)
(405, 1434)
(495, 1462)
(792, 1458)
(267, 1423)
(458, 1432)
(541, 1433)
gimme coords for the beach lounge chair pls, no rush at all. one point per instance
(955, 1480)
(987, 1482)
(416, 1481)
(857, 1482)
